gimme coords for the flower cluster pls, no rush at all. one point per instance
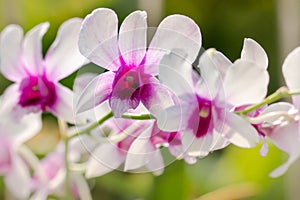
(151, 97)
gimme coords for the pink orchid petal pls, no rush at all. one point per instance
(132, 38)
(176, 73)
(286, 138)
(96, 92)
(174, 32)
(63, 107)
(63, 57)
(290, 70)
(98, 38)
(140, 151)
(241, 75)
(241, 133)
(104, 159)
(18, 179)
(10, 53)
(253, 52)
(156, 98)
(32, 49)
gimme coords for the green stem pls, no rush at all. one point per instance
(280, 93)
(108, 116)
(67, 178)
(63, 132)
(139, 117)
(92, 126)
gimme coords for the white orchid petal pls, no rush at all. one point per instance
(174, 118)
(245, 83)
(132, 38)
(241, 132)
(176, 73)
(210, 74)
(98, 38)
(290, 70)
(63, 57)
(10, 52)
(104, 159)
(252, 51)
(32, 49)
(96, 92)
(174, 32)
(63, 107)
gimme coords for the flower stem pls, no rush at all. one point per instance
(67, 178)
(63, 132)
(92, 126)
(138, 117)
(280, 93)
(108, 116)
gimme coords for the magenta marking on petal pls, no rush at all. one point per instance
(127, 84)
(37, 91)
(200, 120)
(161, 138)
(165, 138)
(125, 144)
(263, 131)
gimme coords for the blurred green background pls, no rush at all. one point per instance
(232, 173)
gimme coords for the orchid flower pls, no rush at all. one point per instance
(108, 144)
(51, 177)
(144, 153)
(36, 78)
(12, 136)
(115, 137)
(204, 115)
(281, 125)
(279, 122)
(285, 134)
(132, 66)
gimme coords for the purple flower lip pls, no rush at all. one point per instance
(37, 91)
(204, 115)
(126, 81)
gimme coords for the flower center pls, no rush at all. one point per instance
(128, 85)
(126, 81)
(37, 91)
(204, 116)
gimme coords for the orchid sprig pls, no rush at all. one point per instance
(150, 97)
